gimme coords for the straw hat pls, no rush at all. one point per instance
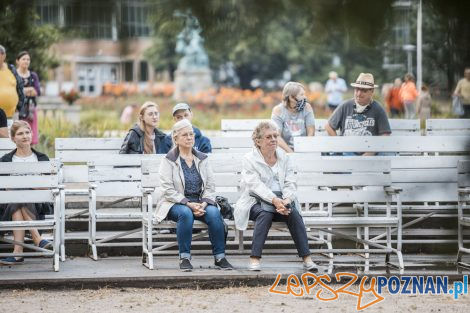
(365, 80)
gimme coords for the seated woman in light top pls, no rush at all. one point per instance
(21, 135)
(268, 190)
(294, 116)
(187, 193)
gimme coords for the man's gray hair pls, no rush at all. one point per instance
(2, 49)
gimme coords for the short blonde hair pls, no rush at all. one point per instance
(259, 130)
(178, 127)
(17, 125)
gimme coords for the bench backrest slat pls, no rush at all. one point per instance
(402, 127)
(400, 144)
(6, 145)
(26, 196)
(16, 177)
(448, 127)
(463, 169)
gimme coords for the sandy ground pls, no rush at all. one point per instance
(240, 299)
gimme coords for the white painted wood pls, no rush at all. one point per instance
(82, 156)
(463, 173)
(63, 144)
(240, 124)
(232, 142)
(123, 160)
(446, 175)
(464, 167)
(244, 127)
(29, 181)
(75, 173)
(6, 145)
(111, 173)
(38, 168)
(428, 192)
(401, 144)
(341, 165)
(448, 127)
(340, 196)
(341, 180)
(29, 196)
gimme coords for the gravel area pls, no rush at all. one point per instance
(240, 299)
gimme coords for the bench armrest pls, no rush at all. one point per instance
(393, 189)
(147, 190)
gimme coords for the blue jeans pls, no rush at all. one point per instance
(184, 218)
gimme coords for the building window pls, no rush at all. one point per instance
(128, 71)
(144, 71)
(48, 11)
(90, 19)
(135, 18)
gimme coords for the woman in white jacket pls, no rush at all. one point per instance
(187, 193)
(268, 194)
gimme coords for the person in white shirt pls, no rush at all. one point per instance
(334, 88)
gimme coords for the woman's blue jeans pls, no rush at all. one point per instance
(184, 218)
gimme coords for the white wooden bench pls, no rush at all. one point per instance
(6, 145)
(463, 207)
(385, 144)
(113, 179)
(429, 181)
(74, 153)
(448, 127)
(33, 183)
(317, 183)
(245, 127)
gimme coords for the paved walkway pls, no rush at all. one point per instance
(81, 272)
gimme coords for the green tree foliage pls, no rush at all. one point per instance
(264, 37)
(446, 37)
(18, 32)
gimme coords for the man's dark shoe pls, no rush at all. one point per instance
(12, 261)
(223, 264)
(185, 265)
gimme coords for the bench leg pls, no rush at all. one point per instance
(241, 245)
(56, 262)
(93, 253)
(62, 225)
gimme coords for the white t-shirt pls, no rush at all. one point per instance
(275, 185)
(32, 158)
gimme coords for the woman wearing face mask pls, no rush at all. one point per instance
(31, 91)
(294, 116)
(145, 137)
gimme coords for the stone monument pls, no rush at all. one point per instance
(193, 73)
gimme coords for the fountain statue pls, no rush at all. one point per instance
(192, 74)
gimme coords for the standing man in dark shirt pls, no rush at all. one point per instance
(3, 125)
(361, 116)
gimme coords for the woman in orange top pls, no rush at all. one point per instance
(393, 99)
(408, 94)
